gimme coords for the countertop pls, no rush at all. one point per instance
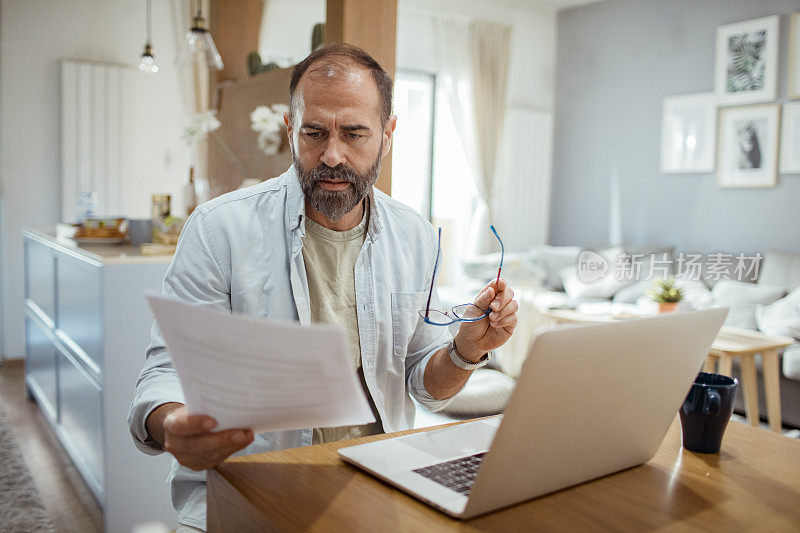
(101, 254)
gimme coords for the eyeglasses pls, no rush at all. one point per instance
(459, 313)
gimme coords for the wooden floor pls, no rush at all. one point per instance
(65, 496)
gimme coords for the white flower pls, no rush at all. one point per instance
(268, 121)
(200, 125)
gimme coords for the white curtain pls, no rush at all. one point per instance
(473, 62)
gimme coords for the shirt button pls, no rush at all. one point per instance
(295, 249)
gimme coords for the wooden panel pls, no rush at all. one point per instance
(235, 25)
(228, 510)
(372, 25)
(753, 484)
(233, 152)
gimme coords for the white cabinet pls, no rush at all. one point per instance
(87, 328)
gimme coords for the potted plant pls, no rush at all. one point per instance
(666, 294)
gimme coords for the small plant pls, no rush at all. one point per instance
(665, 291)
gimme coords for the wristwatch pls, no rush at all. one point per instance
(460, 362)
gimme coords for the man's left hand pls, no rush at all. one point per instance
(476, 338)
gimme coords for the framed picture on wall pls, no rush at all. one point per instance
(790, 139)
(748, 146)
(688, 133)
(746, 69)
(794, 57)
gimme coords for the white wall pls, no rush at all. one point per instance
(34, 35)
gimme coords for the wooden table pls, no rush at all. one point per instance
(745, 344)
(753, 484)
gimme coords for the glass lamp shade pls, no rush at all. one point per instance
(196, 39)
(199, 40)
(148, 61)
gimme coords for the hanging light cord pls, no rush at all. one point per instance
(148, 23)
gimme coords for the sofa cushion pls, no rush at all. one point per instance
(791, 362)
(781, 318)
(555, 259)
(486, 393)
(780, 269)
(519, 269)
(742, 299)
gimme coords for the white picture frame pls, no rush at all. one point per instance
(793, 91)
(688, 133)
(746, 68)
(790, 138)
(748, 146)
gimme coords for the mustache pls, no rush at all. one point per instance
(338, 173)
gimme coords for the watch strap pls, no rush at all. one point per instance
(460, 362)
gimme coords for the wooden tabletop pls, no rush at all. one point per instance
(742, 341)
(753, 484)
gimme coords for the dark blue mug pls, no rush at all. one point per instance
(706, 411)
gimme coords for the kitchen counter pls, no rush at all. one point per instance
(87, 326)
(100, 254)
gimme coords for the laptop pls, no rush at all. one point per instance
(591, 400)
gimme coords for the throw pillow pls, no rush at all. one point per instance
(780, 269)
(780, 318)
(604, 287)
(741, 298)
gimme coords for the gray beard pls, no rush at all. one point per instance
(333, 205)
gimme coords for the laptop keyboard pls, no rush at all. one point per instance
(458, 474)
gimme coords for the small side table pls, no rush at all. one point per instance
(745, 344)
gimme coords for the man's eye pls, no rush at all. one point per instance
(314, 134)
(353, 136)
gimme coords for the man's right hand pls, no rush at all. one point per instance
(189, 437)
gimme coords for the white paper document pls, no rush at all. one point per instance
(249, 372)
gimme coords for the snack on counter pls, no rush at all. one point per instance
(103, 228)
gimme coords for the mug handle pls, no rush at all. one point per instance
(711, 403)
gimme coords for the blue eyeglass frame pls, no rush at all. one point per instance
(484, 312)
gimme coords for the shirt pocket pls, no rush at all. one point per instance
(405, 318)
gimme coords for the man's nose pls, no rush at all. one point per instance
(333, 154)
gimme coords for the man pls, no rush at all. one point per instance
(317, 244)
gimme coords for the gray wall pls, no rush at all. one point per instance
(616, 61)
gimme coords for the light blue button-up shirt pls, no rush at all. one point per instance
(242, 252)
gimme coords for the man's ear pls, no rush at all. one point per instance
(388, 131)
(287, 119)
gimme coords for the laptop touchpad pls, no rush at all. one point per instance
(463, 439)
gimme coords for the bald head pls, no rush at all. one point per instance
(345, 63)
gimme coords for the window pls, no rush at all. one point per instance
(412, 155)
(429, 167)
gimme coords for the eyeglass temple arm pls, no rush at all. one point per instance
(433, 276)
(502, 253)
